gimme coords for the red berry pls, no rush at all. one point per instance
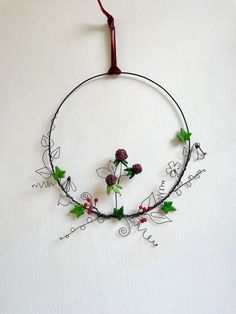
(137, 168)
(88, 200)
(96, 200)
(85, 205)
(89, 212)
(121, 154)
(142, 220)
(140, 207)
(144, 209)
(111, 179)
(149, 208)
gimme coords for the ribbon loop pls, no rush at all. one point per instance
(111, 24)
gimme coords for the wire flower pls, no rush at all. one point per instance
(174, 169)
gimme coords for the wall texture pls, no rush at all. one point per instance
(47, 48)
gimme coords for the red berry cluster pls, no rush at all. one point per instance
(142, 220)
(89, 205)
(144, 209)
(121, 156)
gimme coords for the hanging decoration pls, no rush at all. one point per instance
(114, 175)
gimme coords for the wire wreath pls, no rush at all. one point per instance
(89, 204)
(94, 209)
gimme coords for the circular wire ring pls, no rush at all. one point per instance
(96, 211)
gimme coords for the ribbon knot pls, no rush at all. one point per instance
(110, 21)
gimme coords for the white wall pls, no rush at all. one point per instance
(47, 48)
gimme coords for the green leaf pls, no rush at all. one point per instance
(109, 189)
(58, 173)
(183, 135)
(117, 162)
(116, 188)
(119, 213)
(167, 207)
(132, 175)
(78, 210)
(128, 169)
(130, 172)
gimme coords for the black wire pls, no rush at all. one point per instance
(177, 105)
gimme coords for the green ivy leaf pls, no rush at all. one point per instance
(109, 189)
(78, 210)
(130, 172)
(58, 173)
(117, 162)
(123, 162)
(183, 135)
(116, 188)
(119, 213)
(167, 207)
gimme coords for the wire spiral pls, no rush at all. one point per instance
(85, 195)
(125, 231)
(161, 190)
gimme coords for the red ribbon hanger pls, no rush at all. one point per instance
(110, 20)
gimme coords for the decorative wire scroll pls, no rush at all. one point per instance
(155, 217)
(46, 173)
(188, 183)
(125, 231)
(161, 190)
(69, 186)
(82, 227)
(143, 230)
(196, 147)
(44, 184)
